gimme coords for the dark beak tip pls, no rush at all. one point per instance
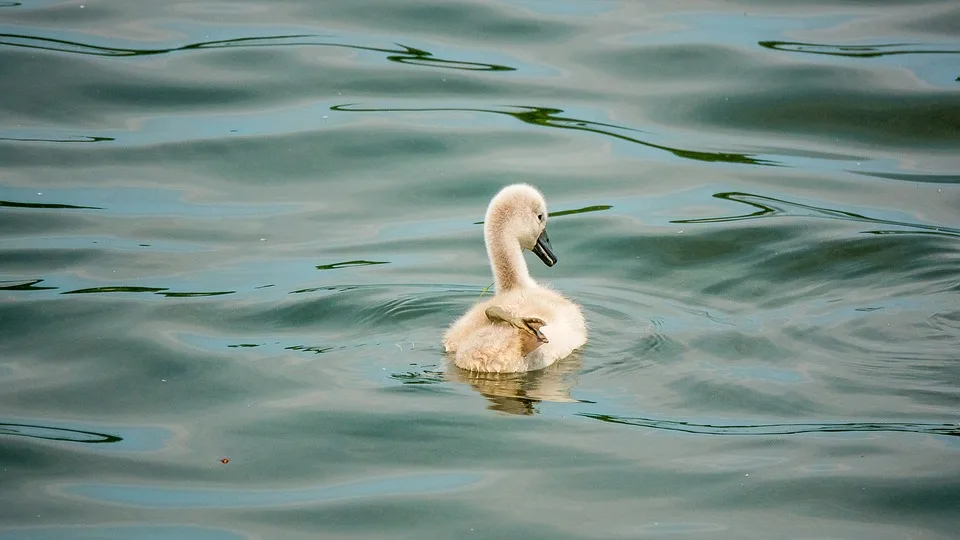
(544, 250)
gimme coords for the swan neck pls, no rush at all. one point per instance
(506, 259)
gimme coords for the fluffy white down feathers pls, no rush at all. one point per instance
(525, 326)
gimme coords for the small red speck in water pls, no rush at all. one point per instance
(225, 461)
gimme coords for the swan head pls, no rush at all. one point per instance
(519, 212)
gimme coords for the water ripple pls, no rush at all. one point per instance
(952, 430)
(402, 54)
(549, 117)
(57, 434)
(26, 285)
(163, 291)
(858, 51)
(74, 139)
(773, 207)
(347, 264)
(15, 204)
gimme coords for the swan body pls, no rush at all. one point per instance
(525, 326)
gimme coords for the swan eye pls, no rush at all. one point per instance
(540, 217)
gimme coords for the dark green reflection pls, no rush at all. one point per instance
(401, 55)
(548, 117)
(24, 286)
(927, 233)
(315, 289)
(420, 57)
(163, 291)
(194, 294)
(416, 377)
(347, 264)
(770, 207)
(78, 139)
(312, 349)
(584, 210)
(57, 434)
(95, 290)
(857, 51)
(15, 204)
(777, 429)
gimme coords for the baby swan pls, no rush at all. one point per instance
(525, 326)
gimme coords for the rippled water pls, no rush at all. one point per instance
(232, 234)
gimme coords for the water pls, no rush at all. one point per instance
(232, 234)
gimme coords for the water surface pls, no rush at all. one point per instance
(232, 235)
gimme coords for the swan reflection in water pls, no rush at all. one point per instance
(519, 393)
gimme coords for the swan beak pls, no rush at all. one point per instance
(544, 250)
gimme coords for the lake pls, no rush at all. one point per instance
(232, 235)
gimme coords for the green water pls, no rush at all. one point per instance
(232, 235)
